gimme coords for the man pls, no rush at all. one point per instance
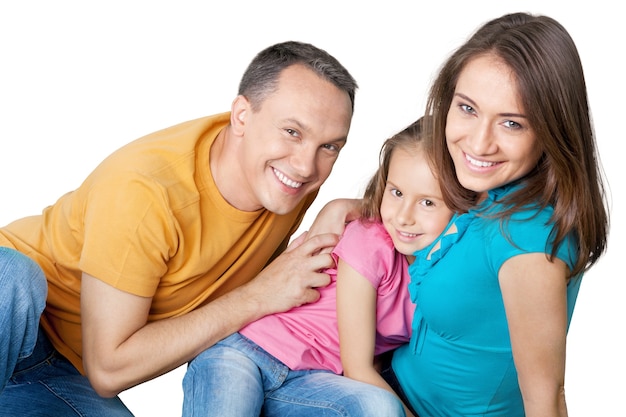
(173, 242)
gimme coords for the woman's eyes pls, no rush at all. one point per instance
(512, 125)
(467, 108)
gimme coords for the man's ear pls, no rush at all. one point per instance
(238, 112)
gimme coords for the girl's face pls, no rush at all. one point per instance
(488, 135)
(412, 209)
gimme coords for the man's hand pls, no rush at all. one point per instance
(292, 278)
(121, 349)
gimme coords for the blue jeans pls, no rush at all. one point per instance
(36, 379)
(390, 377)
(236, 377)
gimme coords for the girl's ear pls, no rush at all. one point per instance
(239, 110)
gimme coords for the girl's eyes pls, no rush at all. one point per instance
(424, 202)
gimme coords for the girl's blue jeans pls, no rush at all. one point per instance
(236, 377)
(36, 379)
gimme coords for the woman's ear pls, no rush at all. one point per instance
(239, 110)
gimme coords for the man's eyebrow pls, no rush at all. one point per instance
(296, 122)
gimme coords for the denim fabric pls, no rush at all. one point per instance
(23, 291)
(390, 377)
(37, 380)
(238, 378)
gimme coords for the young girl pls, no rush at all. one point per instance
(291, 363)
(516, 155)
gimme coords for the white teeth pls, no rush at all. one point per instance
(288, 182)
(475, 162)
(408, 234)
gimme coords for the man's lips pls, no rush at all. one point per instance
(286, 180)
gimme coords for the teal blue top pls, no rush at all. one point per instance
(459, 360)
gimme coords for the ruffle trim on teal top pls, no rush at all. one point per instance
(428, 257)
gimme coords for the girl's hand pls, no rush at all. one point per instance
(333, 217)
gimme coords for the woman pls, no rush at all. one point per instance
(515, 152)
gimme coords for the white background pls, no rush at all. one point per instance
(79, 79)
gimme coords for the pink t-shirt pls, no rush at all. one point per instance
(306, 337)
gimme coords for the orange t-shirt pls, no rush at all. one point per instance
(150, 221)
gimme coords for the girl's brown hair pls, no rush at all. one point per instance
(409, 138)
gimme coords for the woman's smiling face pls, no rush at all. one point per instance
(488, 134)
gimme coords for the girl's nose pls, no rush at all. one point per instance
(404, 216)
